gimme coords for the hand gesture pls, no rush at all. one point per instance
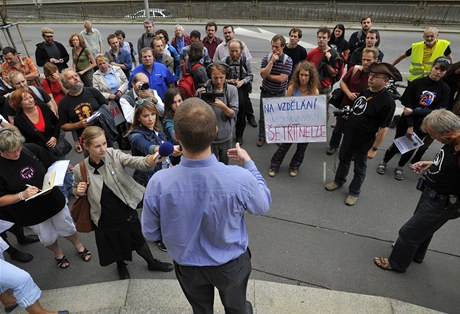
(238, 154)
(81, 188)
(52, 142)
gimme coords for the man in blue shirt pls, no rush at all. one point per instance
(159, 76)
(118, 57)
(197, 207)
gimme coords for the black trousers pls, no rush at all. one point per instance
(231, 279)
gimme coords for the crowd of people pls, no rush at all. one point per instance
(195, 93)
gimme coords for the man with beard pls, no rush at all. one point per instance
(79, 104)
(365, 129)
(211, 42)
(358, 38)
(51, 51)
(423, 53)
(222, 50)
(440, 199)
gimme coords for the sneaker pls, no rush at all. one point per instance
(331, 151)
(293, 172)
(381, 168)
(331, 186)
(351, 200)
(260, 142)
(160, 266)
(161, 246)
(399, 173)
(252, 121)
(271, 172)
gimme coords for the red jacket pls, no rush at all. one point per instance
(186, 42)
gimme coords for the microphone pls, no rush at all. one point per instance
(165, 150)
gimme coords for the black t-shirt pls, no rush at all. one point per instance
(76, 108)
(423, 96)
(297, 54)
(14, 176)
(371, 111)
(443, 175)
(447, 52)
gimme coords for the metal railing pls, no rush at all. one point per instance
(403, 12)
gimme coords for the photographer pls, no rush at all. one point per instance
(223, 99)
(140, 90)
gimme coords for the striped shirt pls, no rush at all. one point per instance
(277, 69)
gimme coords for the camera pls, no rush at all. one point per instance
(345, 111)
(209, 95)
(144, 86)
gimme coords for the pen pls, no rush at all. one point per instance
(31, 186)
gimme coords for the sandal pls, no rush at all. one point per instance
(85, 255)
(383, 263)
(399, 174)
(62, 263)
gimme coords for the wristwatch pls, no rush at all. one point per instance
(374, 149)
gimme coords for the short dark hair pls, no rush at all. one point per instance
(324, 30)
(365, 18)
(164, 33)
(195, 53)
(195, 34)
(229, 26)
(210, 24)
(195, 125)
(374, 31)
(296, 30)
(120, 32)
(8, 50)
(280, 38)
(111, 36)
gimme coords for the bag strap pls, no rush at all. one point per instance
(83, 171)
(37, 92)
(78, 57)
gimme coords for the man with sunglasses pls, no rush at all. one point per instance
(440, 199)
(420, 98)
(368, 120)
(137, 95)
(423, 53)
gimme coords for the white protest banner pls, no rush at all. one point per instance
(295, 119)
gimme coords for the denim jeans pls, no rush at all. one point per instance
(347, 153)
(296, 160)
(20, 282)
(416, 234)
(265, 94)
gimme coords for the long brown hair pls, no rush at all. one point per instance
(148, 106)
(313, 82)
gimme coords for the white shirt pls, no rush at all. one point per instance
(128, 109)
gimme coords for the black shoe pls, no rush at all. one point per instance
(123, 272)
(252, 121)
(331, 151)
(160, 266)
(28, 239)
(161, 246)
(10, 309)
(21, 257)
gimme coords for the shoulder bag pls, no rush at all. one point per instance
(80, 210)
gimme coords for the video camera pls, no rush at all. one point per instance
(209, 95)
(344, 112)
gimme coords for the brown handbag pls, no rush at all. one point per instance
(81, 208)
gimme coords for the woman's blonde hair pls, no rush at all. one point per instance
(10, 139)
(90, 133)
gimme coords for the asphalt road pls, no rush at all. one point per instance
(310, 237)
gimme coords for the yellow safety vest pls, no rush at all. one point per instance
(417, 68)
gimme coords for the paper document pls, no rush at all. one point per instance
(405, 144)
(5, 225)
(53, 177)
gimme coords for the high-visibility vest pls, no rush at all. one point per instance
(417, 68)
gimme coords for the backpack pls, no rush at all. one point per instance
(186, 84)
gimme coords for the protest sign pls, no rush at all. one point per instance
(295, 119)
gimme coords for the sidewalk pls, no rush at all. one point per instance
(138, 296)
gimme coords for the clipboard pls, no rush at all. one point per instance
(53, 177)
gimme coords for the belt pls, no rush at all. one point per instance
(266, 91)
(439, 198)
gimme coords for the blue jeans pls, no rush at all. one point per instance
(360, 166)
(24, 288)
(416, 234)
(66, 189)
(265, 94)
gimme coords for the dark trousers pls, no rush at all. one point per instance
(231, 279)
(401, 130)
(296, 160)
(220, 150)
(337, 133)
(265, 94)
(347, 153)
(243, 103)
(416, 234)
